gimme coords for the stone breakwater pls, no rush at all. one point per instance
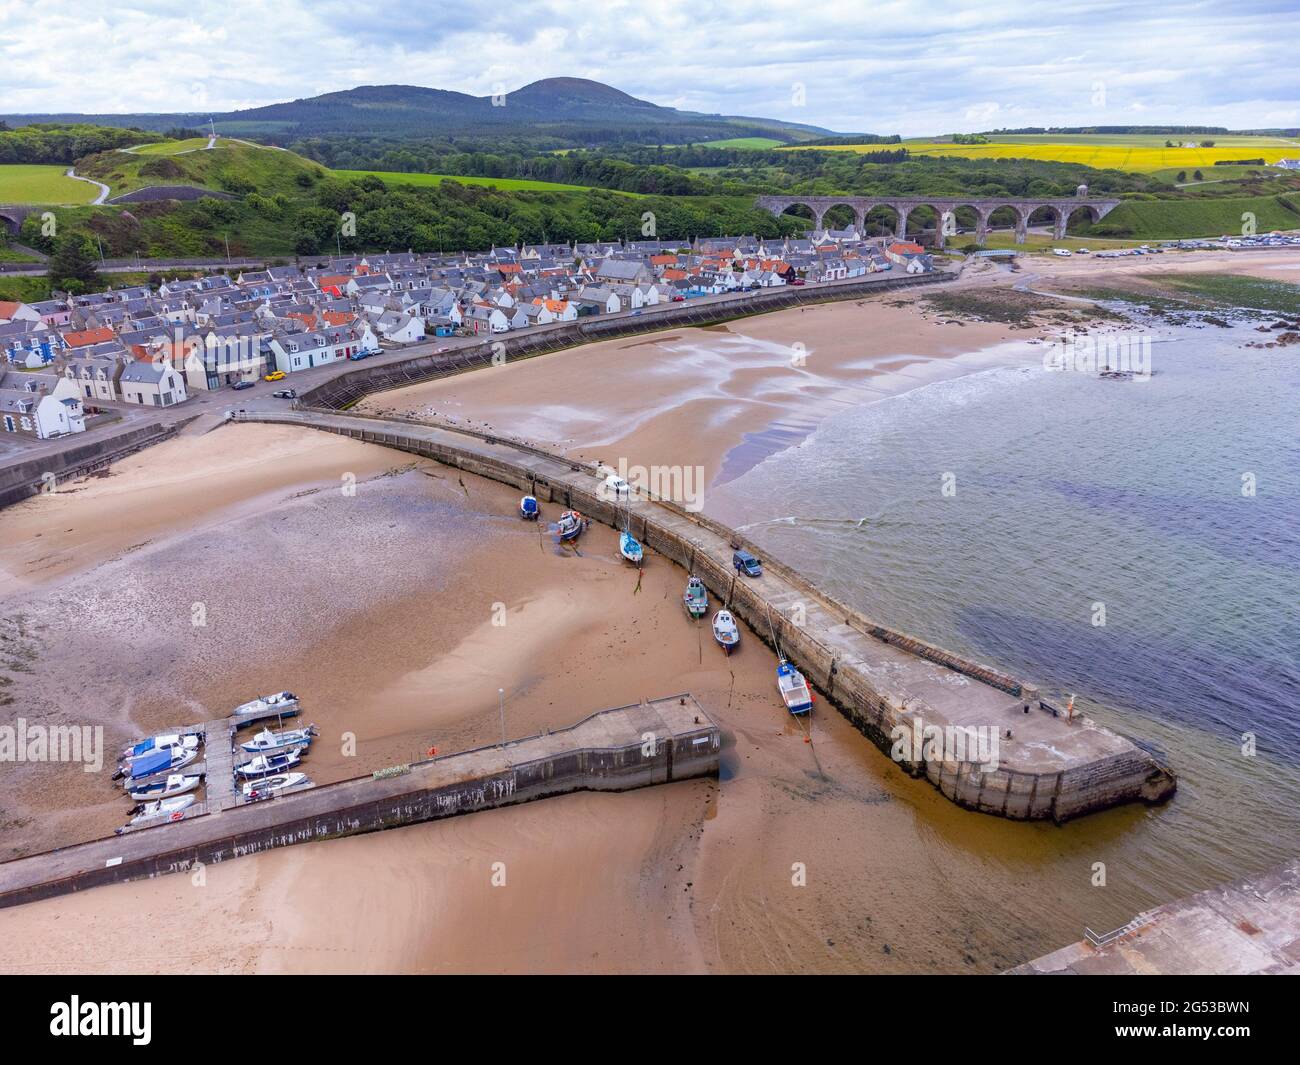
(887, 683)
(614, 750)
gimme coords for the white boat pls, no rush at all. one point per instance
(268, 741)
(154, 763)
(160, 743)
(696, 598)
(793, 688)
(167, 742)
(529, 509)
(280, 702)
(268, 786)
(265, 765)
(725, 630)
(171, 809)
(172, 784)
(571, 525)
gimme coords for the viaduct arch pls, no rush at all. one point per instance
(945, 208)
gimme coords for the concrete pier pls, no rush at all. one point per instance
(887, 682)
(1251, 927)
(614, 750)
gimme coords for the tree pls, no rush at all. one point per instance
(1198, 176)
(73, 264)
(1182, 176)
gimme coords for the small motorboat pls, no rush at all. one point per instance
(148, 765)
(793, 688)
(630, 547)
(172, 784)
(160, 743)
(268, 742)
(268, 786)
(571, 525)
(725, 630)
(280, 703)
(696, 598)
(266, 765)
(172, 809)
(529, 509)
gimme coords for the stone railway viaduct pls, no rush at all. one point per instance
(945, 210)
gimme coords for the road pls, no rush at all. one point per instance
(103, 189)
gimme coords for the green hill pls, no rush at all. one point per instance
(236, 167)
(1170, 219)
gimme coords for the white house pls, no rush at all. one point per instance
(152, 383)
(43, 406)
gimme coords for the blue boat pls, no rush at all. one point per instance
(571, 525)
(630, 548)
(156, 762)
(793, 688)
(528, 508)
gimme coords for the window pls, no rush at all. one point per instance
(9, 423)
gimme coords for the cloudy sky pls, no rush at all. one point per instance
(852, 65)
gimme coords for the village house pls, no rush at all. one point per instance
(40, 405)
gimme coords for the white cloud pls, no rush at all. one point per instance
(885, 67)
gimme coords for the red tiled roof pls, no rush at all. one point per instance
(82, 338)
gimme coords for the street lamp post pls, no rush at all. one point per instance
(501, 699)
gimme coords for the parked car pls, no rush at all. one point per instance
(275, 375)
(615, 488)
(239, 386)
(358, 355)
(747, 564)
(679, 299)
(285, 393)
(798, 281)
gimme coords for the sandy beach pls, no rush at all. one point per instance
(377, 607)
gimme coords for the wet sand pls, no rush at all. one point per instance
(688, 397)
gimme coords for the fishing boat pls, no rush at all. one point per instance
(268, 786)
(153, 763)
(285, 703)
(696, 598)
(793, 688)
(725, 630)
(172, 784)
(529, 509)
(630, 547)
(172, 809)
(160, 743)
(571, 525)
(267, 741)
(265, 765)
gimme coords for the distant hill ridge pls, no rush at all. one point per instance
(576, 108)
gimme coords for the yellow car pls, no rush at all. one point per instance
(277, 375)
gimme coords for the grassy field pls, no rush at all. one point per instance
(1138, 154)
(1001, 240)
(743, 142)
(23, 183)
(1167, 219)
(508, 184)
(171, 147)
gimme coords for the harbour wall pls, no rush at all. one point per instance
(653, 743)
(836, 647)
(31, 476)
